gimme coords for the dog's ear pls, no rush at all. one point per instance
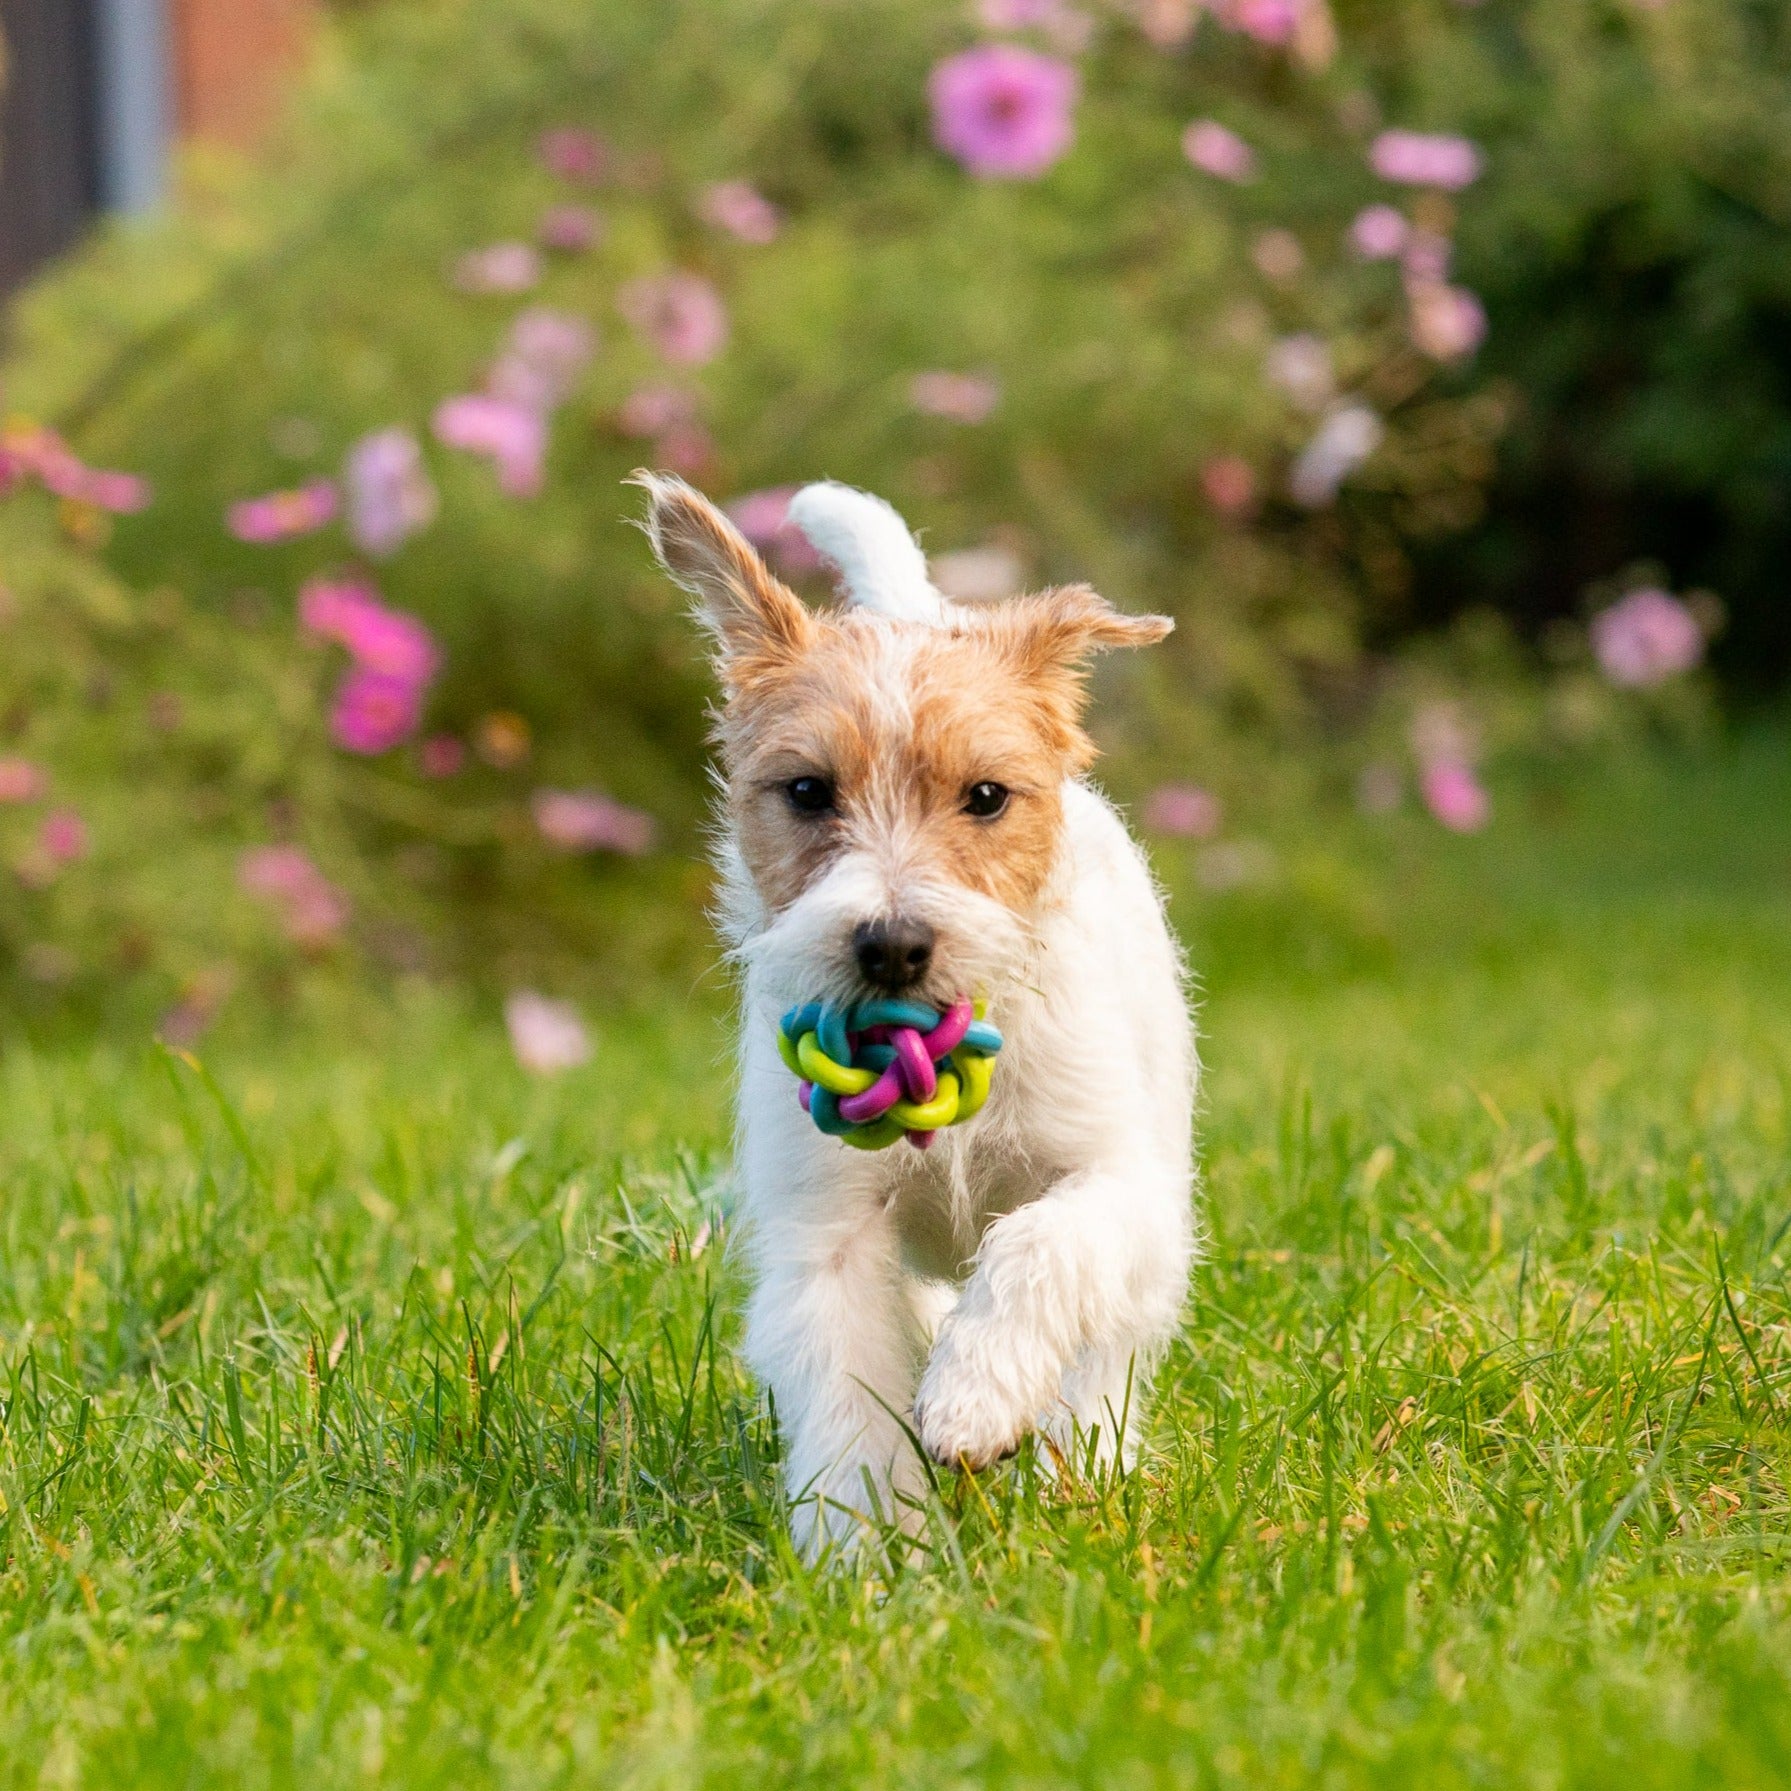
(1061, 630)
(755, 619)
(1049, 639)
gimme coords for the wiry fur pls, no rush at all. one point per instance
(1027, 1271)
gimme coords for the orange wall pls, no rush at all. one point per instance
(233, 60)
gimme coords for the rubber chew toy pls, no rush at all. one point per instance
(885, 1070)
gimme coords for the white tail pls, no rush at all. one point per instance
(880, 564)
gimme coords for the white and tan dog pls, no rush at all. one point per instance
(905, 812)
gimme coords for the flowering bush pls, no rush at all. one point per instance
(1157, 295)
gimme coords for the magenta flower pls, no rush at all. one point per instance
(388, 641)
(958, 397)
(1646, 638)
(312, 909)
(21, 781)
(687, 450)
(63, 836)
(1278, 255)
(739, 208)
(390, 496)
(1183, 811)
(1379, 232)
(1167, 23)
(589, 821)
(1005, 112)
(1229, 482)
(547, 1036)
(1417, 159)
(375, 711)
(1455, 795)
(283, 515)
(1268, 21)
(513, 436)
(653, 409)
(573, 154)
(763, 517)
(1448, 322)
(1219, 152)
(680, 314)
(502, 268)
(569, 228)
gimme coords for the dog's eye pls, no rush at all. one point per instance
(809, 795)
(985, 800)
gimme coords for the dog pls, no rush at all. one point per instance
(905, 813)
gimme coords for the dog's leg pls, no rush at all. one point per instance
(831, 1331)
(1096, 1268)
(1096, 1416)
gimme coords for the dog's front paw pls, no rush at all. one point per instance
(964, 1423)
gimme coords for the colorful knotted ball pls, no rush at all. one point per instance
(885, 1070)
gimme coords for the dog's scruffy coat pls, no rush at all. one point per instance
(905, 812)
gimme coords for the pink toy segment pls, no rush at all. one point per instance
(914, 1059)
(948, 1035)
(876, 1100)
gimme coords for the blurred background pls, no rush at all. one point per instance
(1429, 360)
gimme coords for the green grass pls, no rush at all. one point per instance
(369, 1415)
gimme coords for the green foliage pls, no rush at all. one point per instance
(370, 1415)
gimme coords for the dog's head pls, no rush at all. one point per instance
(894, 787)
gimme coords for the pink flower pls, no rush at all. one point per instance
(739, 208)
(1183, 811)
(1427, 256)
(1268, 21)
(388, 641)
(41, 453)
(1229, 482)
(573, 154)
(21, 781)
(1005, 112)
(390, 496)
(1379, 232)
(1455, 796)
(983, 574)
(653, 409)
(589, 821)
(1219, 152)
(958, 397)
(513, 436)
(282, 515)
(502, 268)
(327, 605)
(1067, 28)
(763, 517)
(1646, 638)
(1417, 159)
(685, 449)
(547, 1036)
(313, 909)
(1167, 23)
(680, 314)
(375, 711)
(544, 355)
(1448, 322)
(569, 228)
(441, 755)
(63, 836)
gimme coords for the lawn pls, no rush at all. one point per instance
(369, 1412)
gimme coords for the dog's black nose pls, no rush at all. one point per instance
(893, 954)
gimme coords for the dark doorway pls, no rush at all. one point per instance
(49, 165)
